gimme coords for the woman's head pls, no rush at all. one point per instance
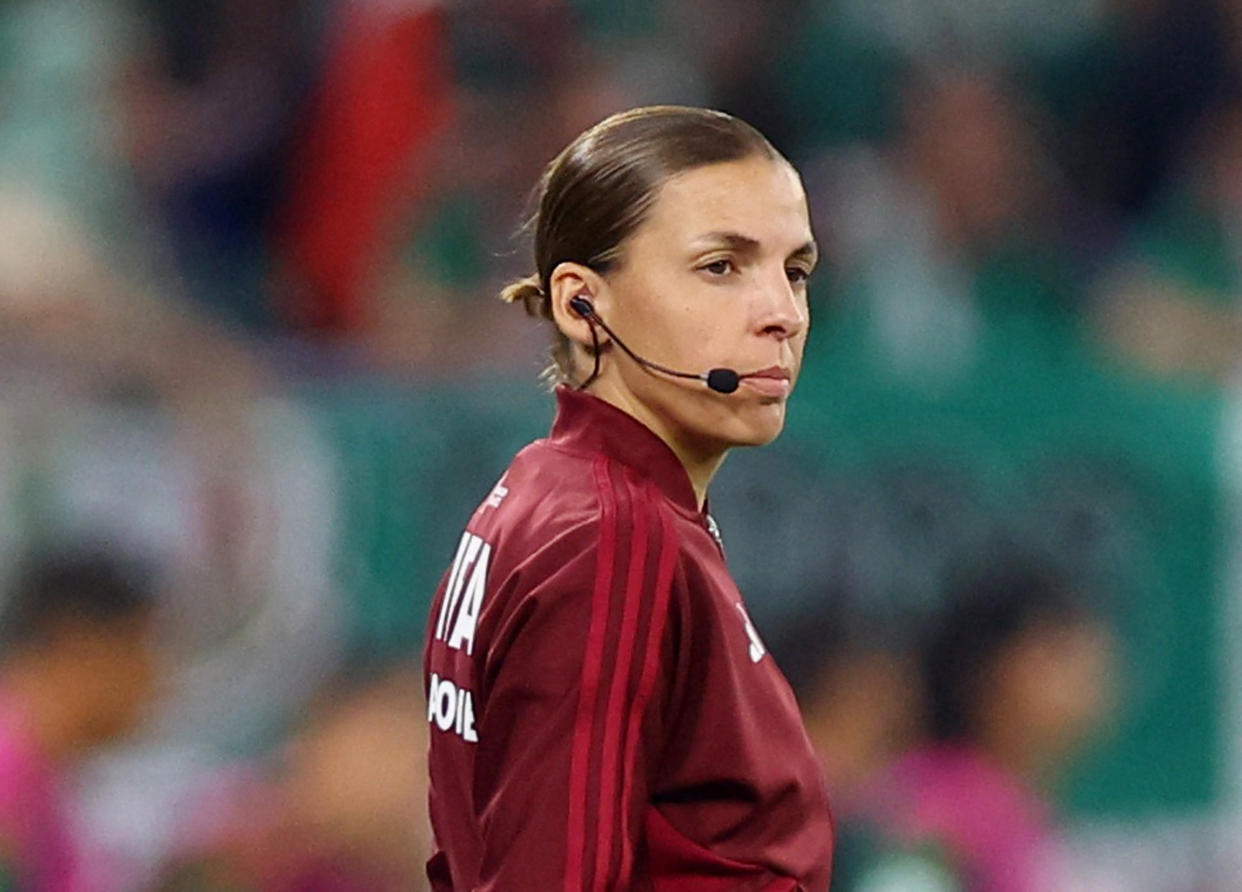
(689, 233)
(1018, 665)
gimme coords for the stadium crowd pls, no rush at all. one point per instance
(248, 332)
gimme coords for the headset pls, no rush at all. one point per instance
(720, 380)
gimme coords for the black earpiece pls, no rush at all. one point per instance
(582, 306)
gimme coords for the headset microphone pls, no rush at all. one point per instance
(719, 380)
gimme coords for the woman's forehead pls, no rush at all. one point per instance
(759, 198)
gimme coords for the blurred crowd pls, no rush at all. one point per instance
(353, 174)
(248, 257)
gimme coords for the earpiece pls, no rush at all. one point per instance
(582, 306)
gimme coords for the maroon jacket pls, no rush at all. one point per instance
(603, 714)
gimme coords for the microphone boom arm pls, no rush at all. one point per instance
(720, 380)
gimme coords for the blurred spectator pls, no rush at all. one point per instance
(67, 313)
(344, 811)
(957, 244)
(77, 672)
(209, 100)
(837, 81)
(859, 691)
(380, 106)
(1017, 673)
(1130, 95)
(429, 298)
(1174, 304)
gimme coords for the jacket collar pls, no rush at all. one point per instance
(585, 423)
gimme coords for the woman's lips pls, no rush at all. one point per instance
(773, 381)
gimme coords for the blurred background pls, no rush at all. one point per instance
(253, 380)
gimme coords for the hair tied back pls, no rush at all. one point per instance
(530, 294)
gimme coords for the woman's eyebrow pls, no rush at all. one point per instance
(735, 241)
(808, 251)
(744, 245)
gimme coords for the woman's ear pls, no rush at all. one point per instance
(574, 280)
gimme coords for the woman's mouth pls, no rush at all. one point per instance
(774, 381)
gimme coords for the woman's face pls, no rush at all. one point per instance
(714, 277)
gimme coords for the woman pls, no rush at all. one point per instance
(603, 713)
(1018, 673)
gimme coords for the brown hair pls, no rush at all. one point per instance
(598, 190)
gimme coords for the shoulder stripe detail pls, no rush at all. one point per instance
(618, 708)
(592, 668)
(650, 658)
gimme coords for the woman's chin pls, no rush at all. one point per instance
(762, 427)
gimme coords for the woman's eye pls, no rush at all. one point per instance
(797, 274)
(718, 267)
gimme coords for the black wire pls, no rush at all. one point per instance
(595, 351)
(645, 363)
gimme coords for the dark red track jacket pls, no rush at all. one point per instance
(603, 713)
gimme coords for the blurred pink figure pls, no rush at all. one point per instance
(1017, 675)
(36, 838)
(76, 671)
(992, 827)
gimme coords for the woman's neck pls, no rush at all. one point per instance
(700, 464)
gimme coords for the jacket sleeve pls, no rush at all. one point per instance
(571, 714)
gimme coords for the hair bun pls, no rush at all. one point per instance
(528, 292)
